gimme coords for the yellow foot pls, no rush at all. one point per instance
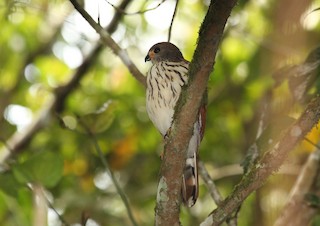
(161, 155)
(166, 136)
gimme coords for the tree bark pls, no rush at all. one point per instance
(267, 164)
(169, 188)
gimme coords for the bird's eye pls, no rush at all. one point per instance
(157, 50)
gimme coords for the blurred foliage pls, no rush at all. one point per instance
(42, 43)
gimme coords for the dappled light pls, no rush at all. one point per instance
(77, 146)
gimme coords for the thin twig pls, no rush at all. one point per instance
(63, 221)
(311, 142)
(115, 182)
(267, 163)
(172, 19)
(110, 172)
(49, 204)
(214, 192)
(134, 13)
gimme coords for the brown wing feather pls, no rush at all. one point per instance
(202, 119)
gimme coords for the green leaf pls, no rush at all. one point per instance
(45, 168)
(101, 119)
(9, 184)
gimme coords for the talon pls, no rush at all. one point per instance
(166, 136)
(161, 155)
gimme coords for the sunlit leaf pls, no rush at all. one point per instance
(101, 119)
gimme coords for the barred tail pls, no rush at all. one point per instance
(190, 181)
(190, 184)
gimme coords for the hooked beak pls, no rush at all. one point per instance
(147, 58)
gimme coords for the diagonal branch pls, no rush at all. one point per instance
(119, 190)
(267, 163)
(108, 41)
(168, 196)
(214, 192)
(297, 203)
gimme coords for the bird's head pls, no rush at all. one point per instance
(164, 51)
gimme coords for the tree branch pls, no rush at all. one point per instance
(119, 190)
(267, 164)
(169, 188)
(108, 41)
(172, 19)
(214, 192)
(40, 206)
(19, 140)
(120, 10)
(297, 203)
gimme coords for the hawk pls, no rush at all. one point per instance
(165, 79)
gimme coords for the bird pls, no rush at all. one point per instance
(165, 79)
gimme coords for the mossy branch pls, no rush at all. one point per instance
(211, 31)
